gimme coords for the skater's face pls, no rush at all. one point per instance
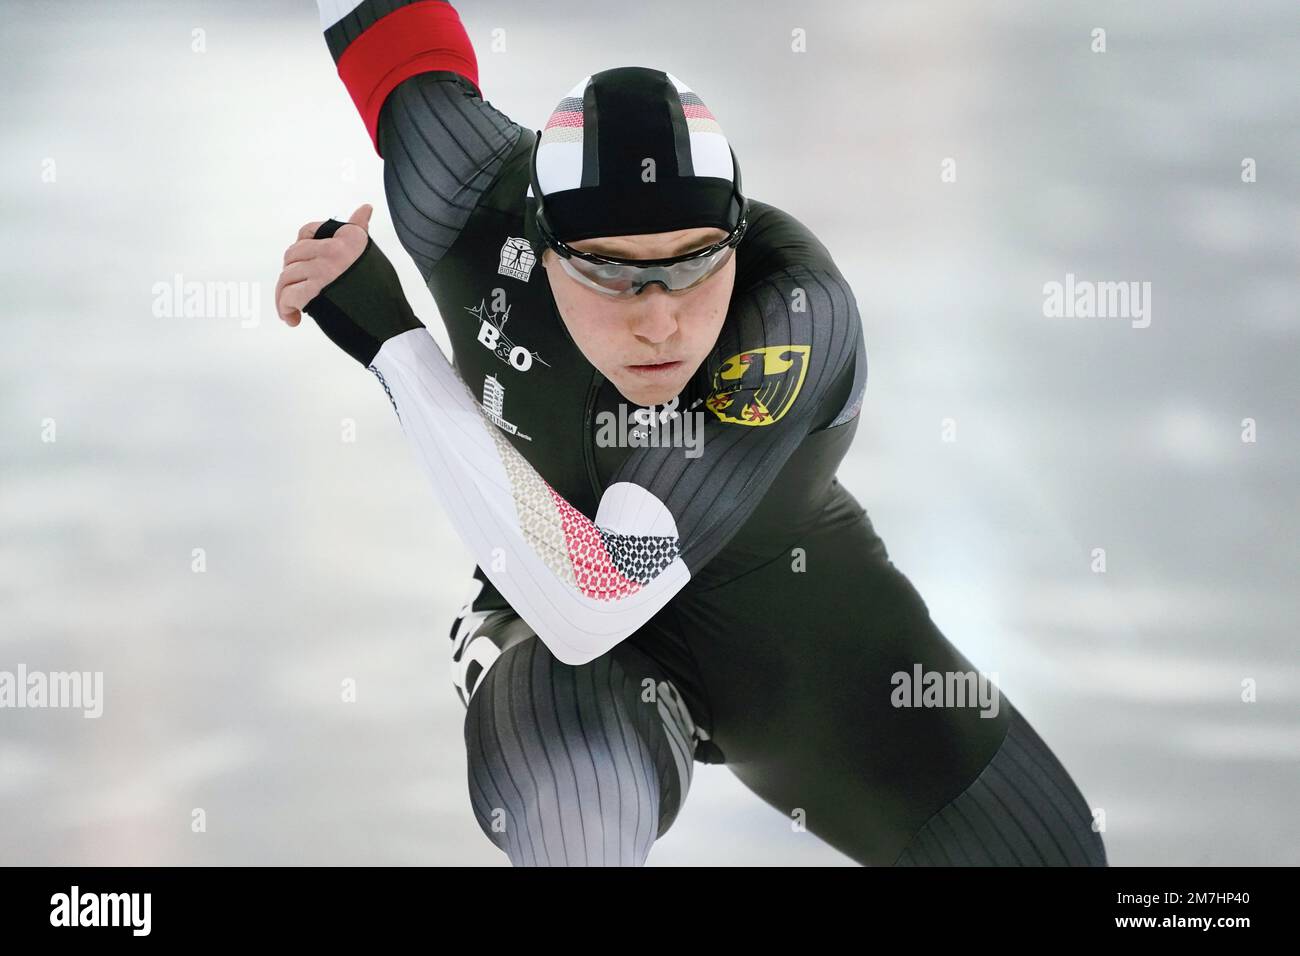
(649, 344)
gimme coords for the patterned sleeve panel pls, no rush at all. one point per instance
(411, 71)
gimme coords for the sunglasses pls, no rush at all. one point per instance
(620, 278)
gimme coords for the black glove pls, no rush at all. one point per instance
(364, 307)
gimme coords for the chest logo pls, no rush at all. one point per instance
(492, 335)
(758, 386)
(517, 259)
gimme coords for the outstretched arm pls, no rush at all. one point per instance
(546, 558)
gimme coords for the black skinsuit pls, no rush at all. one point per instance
(779, 656)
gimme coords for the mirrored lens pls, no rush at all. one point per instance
(626, 280)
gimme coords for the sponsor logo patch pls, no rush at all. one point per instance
(517, 259)
(492, 335)
(494, 400)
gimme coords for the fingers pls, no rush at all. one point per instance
(311, 263)
(350, 238)
(362, 216)
(295, 272)
(293, 298)
(305, 249)
(297, 285)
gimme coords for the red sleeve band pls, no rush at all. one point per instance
(413, 39)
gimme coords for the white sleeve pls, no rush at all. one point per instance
(582, 585)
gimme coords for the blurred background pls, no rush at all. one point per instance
(150, 141)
